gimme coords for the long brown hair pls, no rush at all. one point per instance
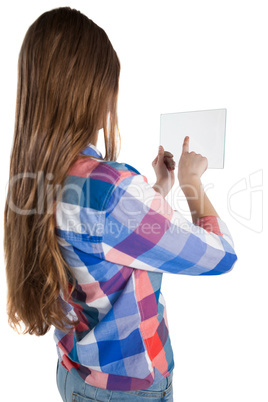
(68, 81)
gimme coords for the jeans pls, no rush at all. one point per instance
(74, 389)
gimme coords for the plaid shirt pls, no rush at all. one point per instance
(119, 235)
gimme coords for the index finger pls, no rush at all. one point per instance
(185, 145)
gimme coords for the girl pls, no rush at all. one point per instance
(86, 238)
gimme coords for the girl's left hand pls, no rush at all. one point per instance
(164, 166)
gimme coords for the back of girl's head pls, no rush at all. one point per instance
(68, 73)
(68, 79)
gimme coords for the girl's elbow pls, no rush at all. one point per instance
(225, 265)
(230, 261)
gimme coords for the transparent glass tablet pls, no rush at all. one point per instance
(206, 129)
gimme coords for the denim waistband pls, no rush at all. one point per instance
(77, 384)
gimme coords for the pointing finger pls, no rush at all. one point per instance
(185, 145)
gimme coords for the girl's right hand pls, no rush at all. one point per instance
(191, 165)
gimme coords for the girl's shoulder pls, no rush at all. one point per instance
(122, 166)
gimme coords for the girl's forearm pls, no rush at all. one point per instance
(198, 201)
(161, 188)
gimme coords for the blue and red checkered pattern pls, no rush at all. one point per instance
(119, 235)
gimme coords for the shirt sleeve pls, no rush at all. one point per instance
(142, 231)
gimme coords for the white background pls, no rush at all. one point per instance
(175, 56)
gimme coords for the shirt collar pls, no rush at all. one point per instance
(92, 150)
